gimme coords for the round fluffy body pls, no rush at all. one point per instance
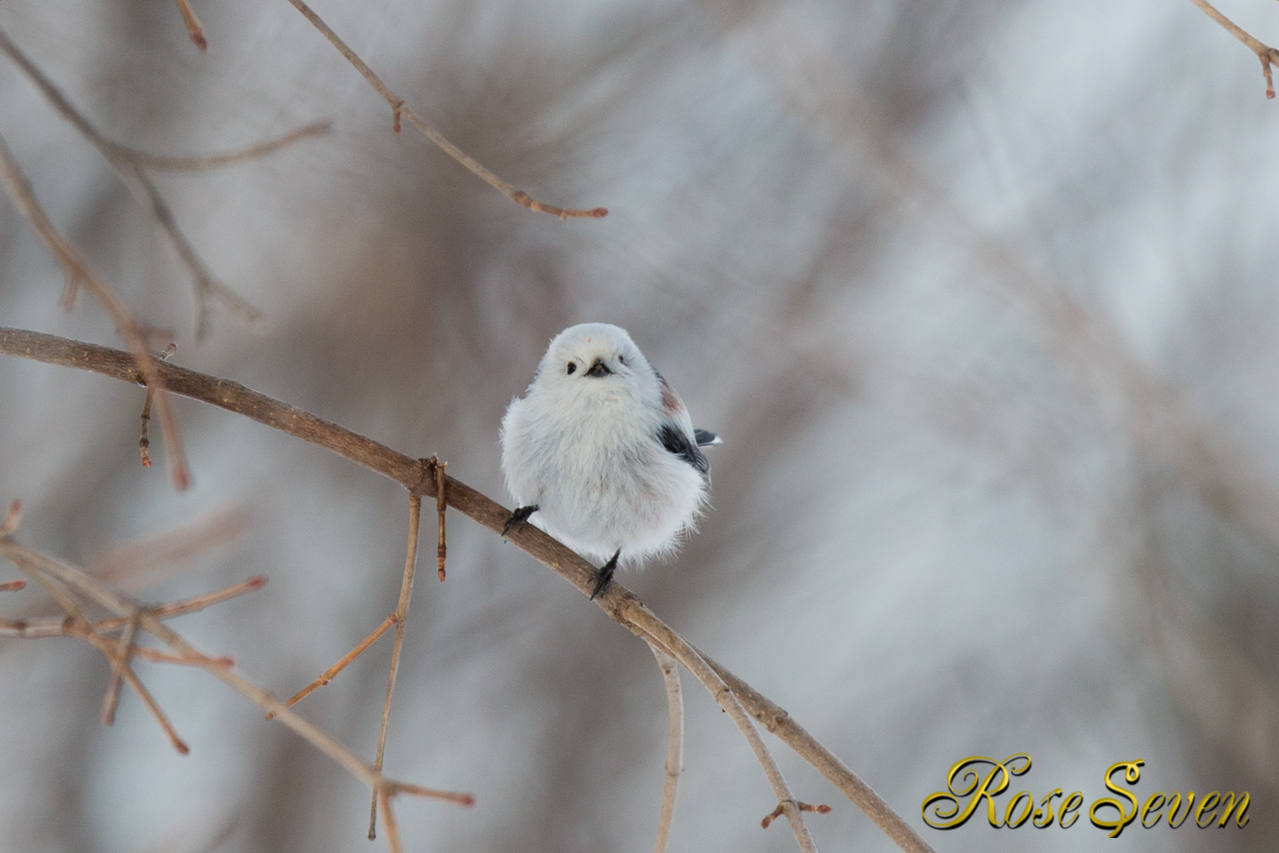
(585, 445)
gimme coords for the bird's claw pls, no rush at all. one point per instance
(605, 575)
(520, 517)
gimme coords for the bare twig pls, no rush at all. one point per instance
(441, 504)
(193, 25)
(331, 673)
(1265, 52)
(400, 617)
(144, 191)
(803, 807)
(201, 162)
(415, 475)
(144, 442)
(399, 110)
(674, 745)
(19, 190)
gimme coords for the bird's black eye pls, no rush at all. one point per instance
(621, 359)
(572, 366)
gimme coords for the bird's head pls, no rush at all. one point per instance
(592, 357)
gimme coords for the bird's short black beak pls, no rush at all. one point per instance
(598, 369)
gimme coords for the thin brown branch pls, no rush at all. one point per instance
(331, 673)
(415, 475)
(399, 110)
(144, 441)
(400, 617)
(202, 162)
(194, 30)
(144, 191)
(19, 190)
(441, 504)
(1265, 52)
(674, 745)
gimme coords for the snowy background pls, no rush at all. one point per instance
(981, 296)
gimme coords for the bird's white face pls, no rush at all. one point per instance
(593, 356)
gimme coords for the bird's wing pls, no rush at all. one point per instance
(677, 441)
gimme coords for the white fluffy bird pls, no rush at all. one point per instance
(601, 448)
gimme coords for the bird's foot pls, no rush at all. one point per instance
(605, 576)
(520, 517)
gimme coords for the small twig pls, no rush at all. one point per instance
(201, 162)
(144, 443)
(199, 602)
(803, 807)
(400, 110)
(400, 617)
(441, 504)
(119, 663)
(674, 744)
(193, 25)
(1265, 52)
(329, 674)
(431, 793)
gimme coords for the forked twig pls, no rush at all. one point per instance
(674, 744)
(400, 110)
(803, 807)
(1267, 54)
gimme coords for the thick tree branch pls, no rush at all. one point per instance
(417, 476)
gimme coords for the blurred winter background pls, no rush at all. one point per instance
(981, 296)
